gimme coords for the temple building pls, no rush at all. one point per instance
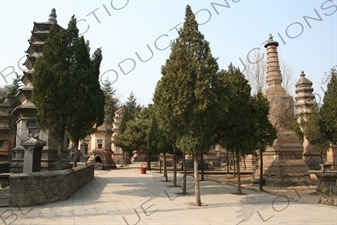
(304, 103)
(26, 112)
(282, 163)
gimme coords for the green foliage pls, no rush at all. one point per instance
(66, 90)
(185, 97)
(326, 198)
(234, 128)
(295, 126)
(111, 101)
(130, 110)
(313, 131)
(129, 126)
(156, 140)
(264, 133)
(329, 108)
(10, 91)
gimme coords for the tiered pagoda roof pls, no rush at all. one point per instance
(38, 37)
(305, 97)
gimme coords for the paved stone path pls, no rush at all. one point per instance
(126, 197)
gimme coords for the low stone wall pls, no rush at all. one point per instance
(30, 189)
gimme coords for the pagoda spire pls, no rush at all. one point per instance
(274, 77)
(52, 16)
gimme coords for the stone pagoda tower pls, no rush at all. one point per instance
(304, 103)
(283, 164)
(26, 112)
(118, 153)
(7, 131)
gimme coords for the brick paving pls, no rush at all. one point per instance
(126, 197)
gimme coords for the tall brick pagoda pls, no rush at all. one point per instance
(283, 163)
(26, 112)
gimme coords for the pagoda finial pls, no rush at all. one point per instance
(270, 41)
(52, 16)
(302, 74)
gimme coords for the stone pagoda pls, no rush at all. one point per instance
(118, 153)
(26, 112)
(7, 131)
(100, 142)
(282, 163)
(304, 103)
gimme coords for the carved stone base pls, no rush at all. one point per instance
(327, 180)
(282, 163)
(313, 160)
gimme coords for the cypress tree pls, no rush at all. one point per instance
(66, 90)
(329, 108)
(185, 97)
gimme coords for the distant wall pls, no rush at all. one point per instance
(29, 189)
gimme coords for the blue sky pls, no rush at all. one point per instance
(126, 28)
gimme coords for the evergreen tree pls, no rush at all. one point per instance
(234, 131)
(111, 102)
(10, 91)
(264, 133)
(130, 111)
(66, 90)
(313, 131)
(157, 142)
(185, 97)
(329, 108)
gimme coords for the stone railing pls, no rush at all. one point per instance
(29, 189)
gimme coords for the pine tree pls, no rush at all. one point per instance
(264, 133)
(185, 97)
(66, 90)
(314, 132)
(234, 131)
(10, 91)
(329, 108)
(157, 142)
(130, 111)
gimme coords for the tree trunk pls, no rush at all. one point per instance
(234, 165)
(174, 167)
(238, 171)
(196, 181)
(244, 162)
(184, 174)
(202, 166)
(124, 158)
(148, 160)
(160, 164)
(75, 153)
(323, 159)
(227, 162)
(193, 163)
(261, 171)
(165, 169)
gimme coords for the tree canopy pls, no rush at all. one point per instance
(66, 90)
(185, 97)
(329, 108)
